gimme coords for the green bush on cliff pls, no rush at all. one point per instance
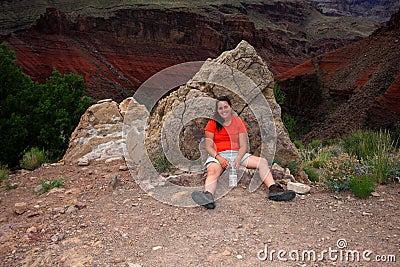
(36, 115)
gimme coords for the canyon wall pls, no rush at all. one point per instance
(354, 87)
(117, 46)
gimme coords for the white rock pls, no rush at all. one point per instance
(375, 194)
(104, 100)
(83, 162)
(299, 188)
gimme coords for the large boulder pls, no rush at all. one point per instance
(244, 59)
(98, 135)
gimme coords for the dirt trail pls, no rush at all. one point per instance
(88, 223)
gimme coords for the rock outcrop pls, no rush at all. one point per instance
(245, 60)
(379, 10)
(99, 135)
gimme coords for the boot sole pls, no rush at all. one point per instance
(202, 200)
(283, 196)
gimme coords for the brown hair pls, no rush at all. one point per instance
(218, 119)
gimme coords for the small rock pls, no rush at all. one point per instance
(299, 188)
(71, 209)
(32, 229)
(226, 253)
(366, 213)
(56, 190)
(239, 257)
(375, 194)
(109, 160)
(20, 207)
(275, 166)
(80, 205)
(130, 264)
(157, 248)
(123, 168)
(58, 210)
(332, 229)
(38, 188)
(54, 238)
(83, 162)
(114, 182)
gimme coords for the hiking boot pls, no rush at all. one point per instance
(204, 199)
(277, 193)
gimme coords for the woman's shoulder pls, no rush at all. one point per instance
(237, 118)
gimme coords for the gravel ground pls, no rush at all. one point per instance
(89, 222)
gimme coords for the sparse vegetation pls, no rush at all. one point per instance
(33, 159)
(279, 94)
(290, 124)
(160, 161)
(357, 162)
(48, 185)
(362, 186)
(4, 178)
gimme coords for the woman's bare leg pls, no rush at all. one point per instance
(214, 170)
(254, 162)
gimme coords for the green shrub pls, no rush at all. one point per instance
(362, 185)
(48, 185)
(279, 94)
(3, 173)
(290, 124)
(4, 178)
(33, 159)
(37, 114)
(298, 144)
(294, 167)
(381, 168)
(315, 144)
(313, 175)
(339, 170)
(367, 144)
(160, 161)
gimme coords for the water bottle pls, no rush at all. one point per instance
(232, 176)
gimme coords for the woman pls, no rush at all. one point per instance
(226, 144)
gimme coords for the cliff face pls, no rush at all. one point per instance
(379, 10)
(118, 46)
(352, 87)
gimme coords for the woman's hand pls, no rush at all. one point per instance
(223, 161)
(236, 163)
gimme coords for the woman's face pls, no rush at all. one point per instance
(224, 110)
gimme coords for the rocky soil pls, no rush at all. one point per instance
(98, 220)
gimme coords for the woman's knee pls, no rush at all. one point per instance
(263, 163)
(213, 170)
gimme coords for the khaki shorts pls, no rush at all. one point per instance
(230, 155)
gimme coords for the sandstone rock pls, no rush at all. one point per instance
(20, 208)
(299, 188)
(98, 135)
(83, 162)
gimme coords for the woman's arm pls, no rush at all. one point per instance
(209, 136)
(242, 148)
